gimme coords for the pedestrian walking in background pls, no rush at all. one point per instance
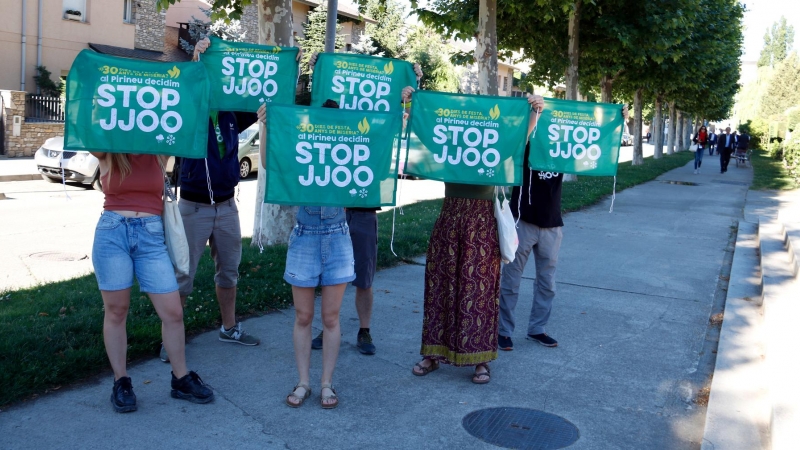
(742, 144)
(462, 281)
(648, 137)
(701, 140)
(128, 242)
(725, 145)
(712, 142)
(320, 254)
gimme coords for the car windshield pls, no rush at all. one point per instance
(246, 134)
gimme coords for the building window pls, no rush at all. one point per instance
(127, 11)
(505, 84)
(75, 6)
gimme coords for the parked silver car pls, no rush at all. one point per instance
(79, 166)
(249, 151)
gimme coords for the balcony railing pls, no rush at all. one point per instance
(39, 108)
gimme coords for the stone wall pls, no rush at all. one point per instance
(32, 134)
(150, 25)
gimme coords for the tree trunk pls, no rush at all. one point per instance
(638, 151)
(657, 129)
(679, 133)
(273, 223)
(673, 117)
(486, 48)
(606, 84)
(688, 131)
(573, 49)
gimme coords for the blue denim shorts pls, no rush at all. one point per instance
(124, 247)
(319, 255)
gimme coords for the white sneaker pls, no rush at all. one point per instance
(698, 171)
(695, 171)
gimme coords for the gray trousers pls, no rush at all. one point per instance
(545, 243)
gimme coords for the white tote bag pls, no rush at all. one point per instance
(506, 228)
(174, 233)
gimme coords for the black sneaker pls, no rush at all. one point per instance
(191, 387)
(504, 343)
(364, 343)
(316, 343)
(543, 339)
(122, 397)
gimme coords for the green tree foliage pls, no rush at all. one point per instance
(199, 29)
(47, 87)
(314, 40)
(778, 42)
(387, 33)
(784, 88)
(225, 10)
(428, 49)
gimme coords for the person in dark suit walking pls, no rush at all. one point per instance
(742, 144)
(725, 145)
(712, 142)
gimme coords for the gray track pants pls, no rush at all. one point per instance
(545, 243)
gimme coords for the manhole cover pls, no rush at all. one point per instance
(520, 428)
(735, 183)
(58, 256)
(681, 183)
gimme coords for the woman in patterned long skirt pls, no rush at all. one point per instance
(462, 280)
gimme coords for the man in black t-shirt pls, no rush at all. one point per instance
(539, 231)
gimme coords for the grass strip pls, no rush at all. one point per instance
(52, 334)
(770, 173)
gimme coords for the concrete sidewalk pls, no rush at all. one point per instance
(635, 290)
(18, 169)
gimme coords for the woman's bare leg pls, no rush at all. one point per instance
(115, 337)
(331, 335)
(169, 309)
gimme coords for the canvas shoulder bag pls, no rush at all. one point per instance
(174, 233)
(506, 227)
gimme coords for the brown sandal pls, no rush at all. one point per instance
(477, 377)
(300, 400)
(323, 398)
(425, 370)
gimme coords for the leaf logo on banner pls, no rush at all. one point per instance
(363, 126)
(388, 68)
(494, 113)
(174, 72)
(276, 49)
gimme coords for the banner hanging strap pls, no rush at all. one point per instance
(208, 181)
(613, 195)
(260, 227)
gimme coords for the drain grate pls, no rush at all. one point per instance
(58, 256)
(681, 183)
(521, 428)
(735, 183)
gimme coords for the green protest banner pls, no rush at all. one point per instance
(577, 137)
(244, 76)
(122, 105)
(328, 157)
(365, 83)
(469, 139)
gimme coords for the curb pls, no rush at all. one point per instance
(27, 177)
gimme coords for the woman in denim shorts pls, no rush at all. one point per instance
(320, 254)
(128, 241)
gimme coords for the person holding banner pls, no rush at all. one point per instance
(462, 281)
(363, 223)
(320, 254)
(128, 241)
(537, 206)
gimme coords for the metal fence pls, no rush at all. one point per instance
(39, 108)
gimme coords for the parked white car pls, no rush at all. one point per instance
(79, 166)
(249, 151)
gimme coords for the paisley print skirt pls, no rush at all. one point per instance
(462, 284)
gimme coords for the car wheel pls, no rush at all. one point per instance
(244, 168)
(51, 179)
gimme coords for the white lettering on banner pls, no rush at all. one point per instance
(370, 93)
(147, 98)
(578, 140)
(250, 72)
(341, 155)
(471, 138)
